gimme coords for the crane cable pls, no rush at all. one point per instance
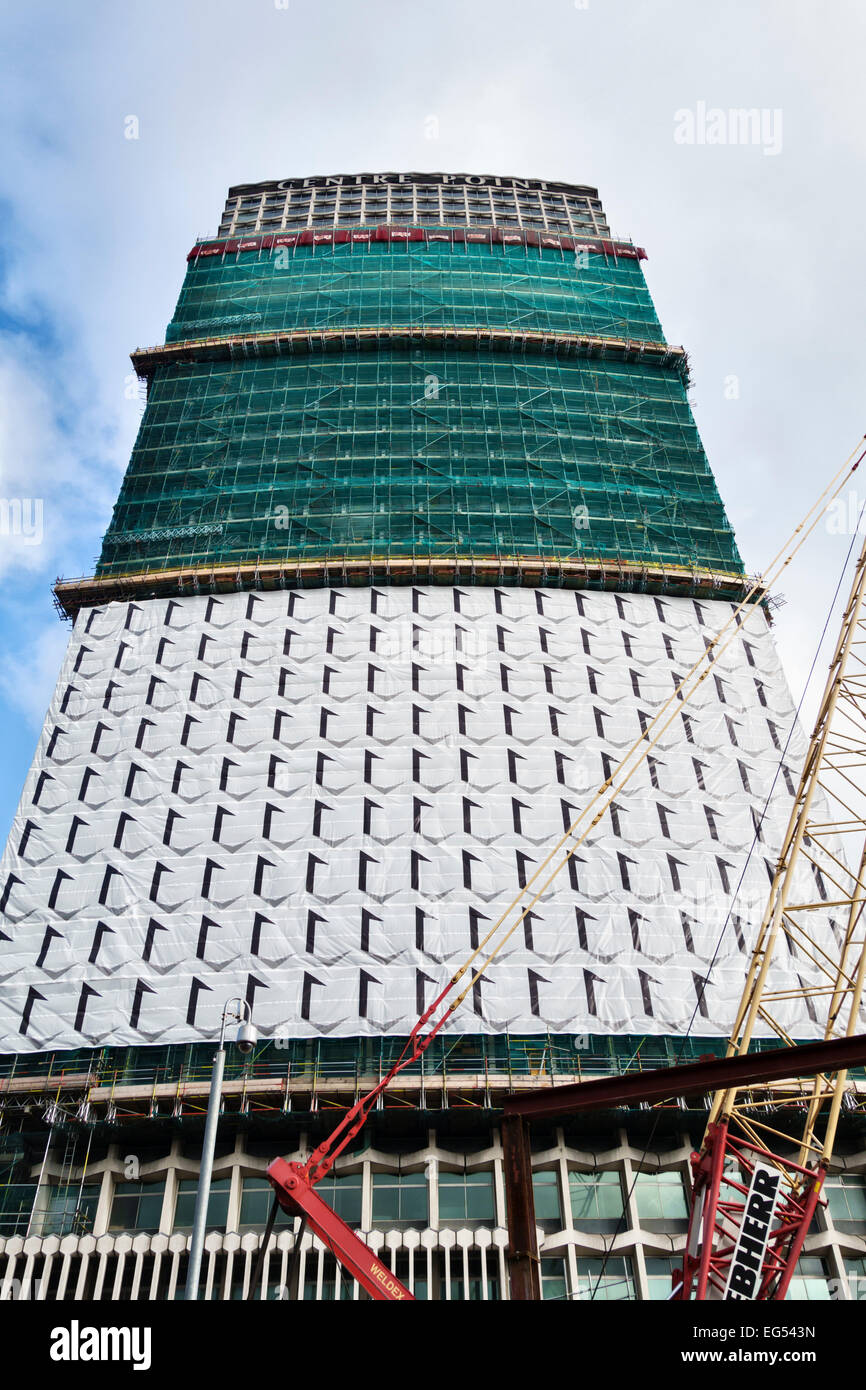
(679, 697)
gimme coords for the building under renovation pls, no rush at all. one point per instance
(416, 536)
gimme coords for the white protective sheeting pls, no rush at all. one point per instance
(319, 800)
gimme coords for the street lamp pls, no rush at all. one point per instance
(246, 1039)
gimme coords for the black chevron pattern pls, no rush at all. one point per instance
(322, 800)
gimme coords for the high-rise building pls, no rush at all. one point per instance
(416, 537)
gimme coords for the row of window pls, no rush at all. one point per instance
(398, 1200)
(248, 225)
(554, 212)
(407, 196)
(597, 1202)
(614, 1280)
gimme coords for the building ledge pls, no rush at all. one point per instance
(520, 571)
(242, 346)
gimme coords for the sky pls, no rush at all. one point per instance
(753, 233)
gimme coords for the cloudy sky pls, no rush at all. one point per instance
(755, 256)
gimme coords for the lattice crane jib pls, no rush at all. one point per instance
(766, 1151)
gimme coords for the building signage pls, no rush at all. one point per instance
(448, 180)
(744, 1277)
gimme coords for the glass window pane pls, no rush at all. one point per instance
(545, 1189)
(400, 1198)
(466, 1197)
(386, 1200)
(218, 1204)
(855, 1273)
(661, 1196)
(810, 1280)
(71, 1210)
(342, 1192)
(846, 1197)
(137, 1206)
(596, 1200)
(257, 1198)
(659, 1272)
(609, 1279)
(413, 1197)
(554, 1279)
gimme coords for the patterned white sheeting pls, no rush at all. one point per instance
(320, 799)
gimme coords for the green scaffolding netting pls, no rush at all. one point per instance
(423, 453)
(408, 452)
(516, 287)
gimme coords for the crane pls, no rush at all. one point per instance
(752, 1203)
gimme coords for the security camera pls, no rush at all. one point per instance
(246, 1039)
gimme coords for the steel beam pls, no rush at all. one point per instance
(522, 1252)
(695, 1078)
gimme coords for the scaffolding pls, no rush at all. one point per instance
(417, 452)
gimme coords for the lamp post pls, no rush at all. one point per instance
(245, 1040)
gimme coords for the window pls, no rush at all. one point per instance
(342, 1192)
(596, 1200)
(70, 1210)
(137, 1206)
(855, 1271)
(257, 1198)
(466, 1198)
(610, 1279)
(554, 1279)
(16, 1204)
(400, 1199)
(661, 1199)
(659, 1272)
(809, 1281)
(217, 1208)
(545, 1190)
(846, 1198)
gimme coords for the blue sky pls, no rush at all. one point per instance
(755, 260)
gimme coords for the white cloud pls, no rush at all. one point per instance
(53, 491)
(28, 675)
